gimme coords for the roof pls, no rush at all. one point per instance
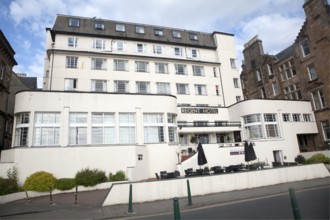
(289, 51)
(87, 28)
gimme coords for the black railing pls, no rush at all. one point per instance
(209, 124)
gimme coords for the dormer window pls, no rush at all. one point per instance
(159, 33)
(74, 22)
(120, 27)
(139, 30)
(176, 34)
(193, 36)
(99, 26)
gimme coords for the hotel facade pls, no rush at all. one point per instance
(139, 98)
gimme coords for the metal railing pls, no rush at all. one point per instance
(209, 124)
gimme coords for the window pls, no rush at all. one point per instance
(275, 89)
(270, 117)
(203, 138)
(163, 88)
(141, 66)
(318, 99)
(158, 49)
(172, 128)
(72, 41)
(121, 86)
(153, 128)
(236, 84)
(126, 128)
(2, 70)
(198, 70)
(262, 93)
(78, 129)
(120, 65)
(141, 48)
(119, 45)
(139, 30)
(182, 89)
(103, 128)
(180, 69)
(270, 69)
(287, 70)
(326, 130)
(99, 26)
(307, 117)
(259, 75)
(193, 36)
(99, 64)
(161, 67)
(214, 71)
(22, 129)
(272, 130)
(73, 22)
(233, 63)
(176, 34)
(193, 53)
(178, 51)
(292, 92)
(71, 62)
(305, 48)
(311, 71)
(142, 87)
(98, 44)
(99, 85)
(200, 89)
(286, 117)
(159, 32)
(217, 90)
(46, 129)
(296, 117)
(70, 84)
(238, 98)
(248, 119)
(120, 27)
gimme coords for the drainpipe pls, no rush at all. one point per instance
(51, 70)
(223, 95)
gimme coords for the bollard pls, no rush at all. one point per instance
(130, 206)
(50, 196)
(294, 204)
(189, 194)
(76, 196)
(176, 209)
(27, 197)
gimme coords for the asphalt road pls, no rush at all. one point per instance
(313, 203)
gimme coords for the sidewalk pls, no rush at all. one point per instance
(90, 203)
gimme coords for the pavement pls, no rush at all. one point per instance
(89, 204)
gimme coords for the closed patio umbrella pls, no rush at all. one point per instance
(201, 155)
(249, 152)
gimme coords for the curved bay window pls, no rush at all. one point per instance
(22, 129)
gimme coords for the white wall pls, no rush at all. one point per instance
(202, 185)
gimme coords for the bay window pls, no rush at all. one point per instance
(46, 129)
(153, 128)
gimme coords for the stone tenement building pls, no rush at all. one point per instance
(299, 72)
(7, 62)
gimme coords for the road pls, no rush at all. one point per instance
(313, 203)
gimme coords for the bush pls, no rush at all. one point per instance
(87, 177)
(65, 183)
(119, 176)
(318, 158)
(40, 181)
(8, 186)
(300, 159)
(256, 165)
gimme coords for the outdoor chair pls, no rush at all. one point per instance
(157, 176)
(206, 171)
(189, 172)
(163, 174)
(199, 172)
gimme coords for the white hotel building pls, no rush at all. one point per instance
(125, 96)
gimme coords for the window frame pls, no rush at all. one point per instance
(99, 26)
(77, 128)
(70, 84)
(178, 68)
(200, 89)
(142, 87)
(176, 34)
(22, 129)
(120, 27)
(158, 32)
(71, 62)
(305, 48)
(95, 82)
(98, 63)
(159, 70)
(118, 83)
(106, 126)
(325, 125)
(74, 42)
(193, 36)
(180, 86)
(142, 66)
(120, 65)
(139, 29)
(198, 70)
(163, 88)
(74, 22)
(311, 72)
(51, 127)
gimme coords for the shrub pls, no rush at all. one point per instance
(256, 165)
(65, 183)
(119, 176)
(88, 177)
(300, 159)
(40, 181)
(318, 158)
(8, 186)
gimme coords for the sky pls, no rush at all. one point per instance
(276, 22)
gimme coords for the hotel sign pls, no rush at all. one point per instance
(199, 111)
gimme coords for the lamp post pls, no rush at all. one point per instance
(178, 153)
